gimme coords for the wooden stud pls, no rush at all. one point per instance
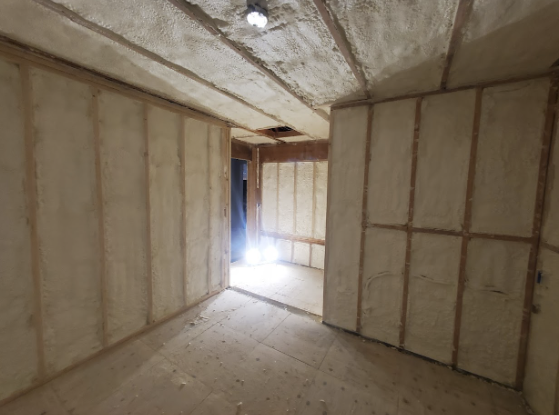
(296, 238)
(342, 44)
(364, 215)
(31, 190)
(241, 150)
(548, 131)
(294, 210)
(328, 219)
(313, 218)
(552, 248)
(149, 265)
(207, 23)
(101, 220)
(226, 183)
(277, 196)
(210, 228)
(404, 316)
(182, 158)
(463, 12)
(466, 227)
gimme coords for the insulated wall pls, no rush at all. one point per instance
(293, 210)
(430, 233)
(113, 216)
(542, 369)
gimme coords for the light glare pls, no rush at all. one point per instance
(253, 256)
(270, 254)
(258, 19)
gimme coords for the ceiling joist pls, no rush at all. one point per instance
(342, 44)
(76, 18)
(206, 22)
(463, 12)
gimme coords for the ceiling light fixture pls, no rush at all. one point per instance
(257, 16)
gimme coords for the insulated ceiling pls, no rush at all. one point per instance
(289, 73)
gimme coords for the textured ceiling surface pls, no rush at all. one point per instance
(291, 72)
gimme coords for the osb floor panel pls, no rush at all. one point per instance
(234, 348)
(290, 284)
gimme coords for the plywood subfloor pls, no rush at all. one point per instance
(234, 348)
(289, 284)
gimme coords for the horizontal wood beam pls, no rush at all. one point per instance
(196, 14)
(305, 151)
(240, 150)
(498, 237)
(294, 238)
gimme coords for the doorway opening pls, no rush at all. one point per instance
(281, 230)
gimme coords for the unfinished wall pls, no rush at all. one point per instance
(447, 196)
(294, 210)
(102, 198)
(542, 369)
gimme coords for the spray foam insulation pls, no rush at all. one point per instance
(121, 133)
(216, 176)
(68, 218)
(163, 29)
(317, 256)
(166, 211)
(434, 269)
(445, 137)
(286, 192)
(390, 163)
(284, 249)
(269, 185)
(550, 225)
(512, 118)
(345, 216)
(63, 38)
(320, 199)
(18, 345)
(301, 253)
(492, 308)
(505, 39)
(304, 199)
(383, 282)
(543, 354)
(400, 46)
(197, 208)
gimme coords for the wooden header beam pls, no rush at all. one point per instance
(240, 150)
(305, 151)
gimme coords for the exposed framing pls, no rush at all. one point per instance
(209, 149)
(304, 151)
(184, 242)
(364, 209)
(293, 238)
(413, 176)
(101, 219)
(149, 264)
(240, 150)
(342, 44)
(226, 190)
(463, 12)
(31, 196)
(548, 131)
(204, 21)
(121, 40)
(252, 202)
(467, 219)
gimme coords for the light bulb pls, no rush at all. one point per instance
(257, 16)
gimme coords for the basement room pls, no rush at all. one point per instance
(264, 207)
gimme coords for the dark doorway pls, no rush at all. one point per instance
(238, 208)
